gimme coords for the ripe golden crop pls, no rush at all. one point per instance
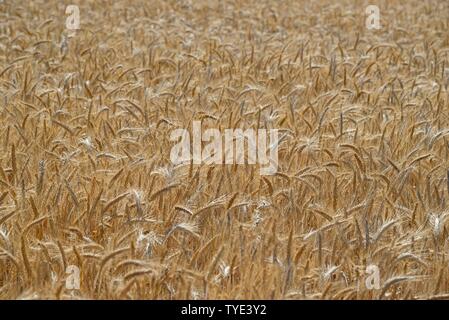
(87, 187)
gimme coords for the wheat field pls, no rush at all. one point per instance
(86, 181)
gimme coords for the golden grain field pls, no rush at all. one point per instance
(86, 181)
